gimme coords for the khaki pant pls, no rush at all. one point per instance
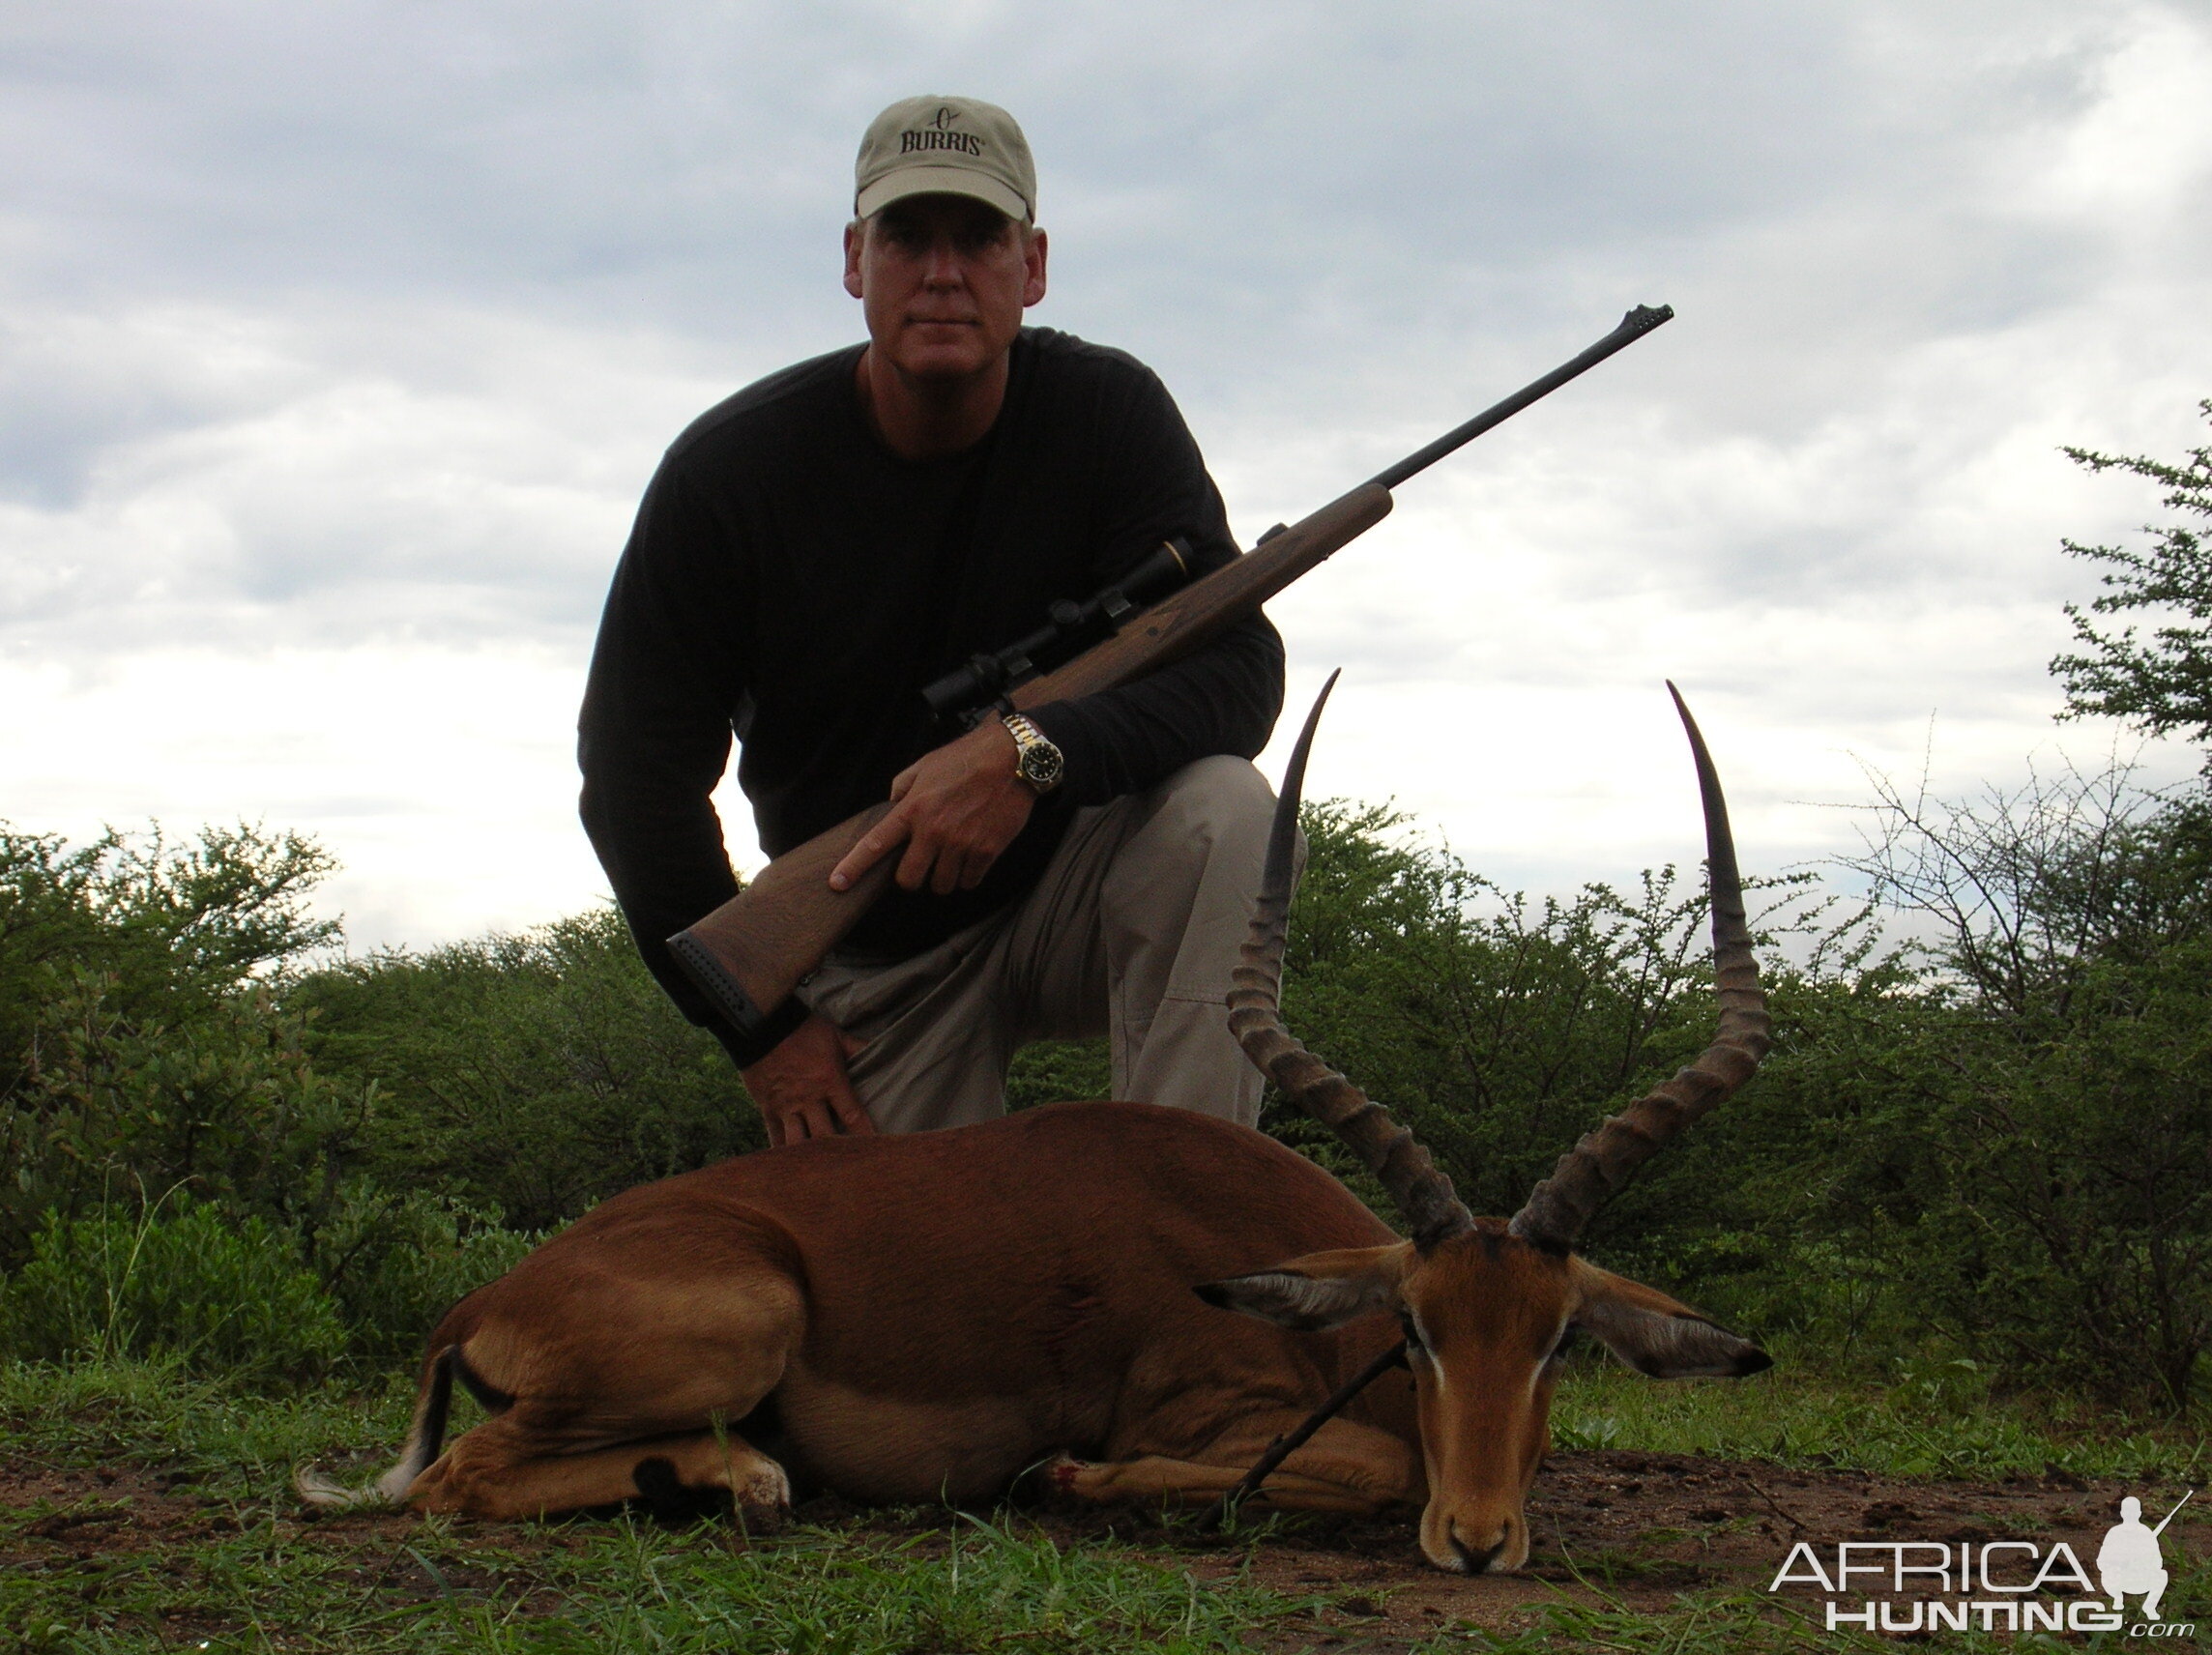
(1131, 933)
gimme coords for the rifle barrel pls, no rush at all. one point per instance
(1633, 326)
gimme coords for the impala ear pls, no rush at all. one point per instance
(1321, 1289)
(1656, 1335)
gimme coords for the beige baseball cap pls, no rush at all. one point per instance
(946, 146)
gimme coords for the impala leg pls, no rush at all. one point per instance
(622, 1400)
(1346, 1468)
(491, 1473)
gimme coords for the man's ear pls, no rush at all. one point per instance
(854, 232)
(1656, 1335)
(1034, 262)
(1321, 1289)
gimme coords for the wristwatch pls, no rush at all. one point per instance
(1036, 759)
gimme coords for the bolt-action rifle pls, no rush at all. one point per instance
(750, 953)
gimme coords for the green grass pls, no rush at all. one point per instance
(1933, 1421)
(599, 1587)
(156, 1415)
(244, 1573)
(251, 1575)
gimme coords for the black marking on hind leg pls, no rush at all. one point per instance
(672, 1501)
(489, 1397)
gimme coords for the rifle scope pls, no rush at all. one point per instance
(969, 691)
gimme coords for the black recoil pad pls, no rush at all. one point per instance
(752, 1034)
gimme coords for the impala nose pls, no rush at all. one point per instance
(1474, 1542)
(1474, 1562)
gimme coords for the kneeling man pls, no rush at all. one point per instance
(820, 546)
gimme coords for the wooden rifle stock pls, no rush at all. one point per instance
(750, 953)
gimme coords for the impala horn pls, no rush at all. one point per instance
(1594, 1170)
(1423, 1194)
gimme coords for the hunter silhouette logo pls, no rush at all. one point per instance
(2130, 1560)
(939, 136)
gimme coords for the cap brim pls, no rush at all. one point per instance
(939, 181)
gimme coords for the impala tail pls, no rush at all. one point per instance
(433, 1400)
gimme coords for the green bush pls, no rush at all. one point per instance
(192, 1283)
(1498, 1030)
(1998, 1150)
(1058, 1071)
(167, 923)
(530, 1075)
(396, 1262)
(140, 1038)
(2162, 684)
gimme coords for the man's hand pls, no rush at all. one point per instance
(801, 1087)
(955, 809)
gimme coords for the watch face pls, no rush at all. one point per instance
(1041, 765)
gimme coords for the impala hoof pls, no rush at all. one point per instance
(763, 1502)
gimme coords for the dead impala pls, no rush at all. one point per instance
(922, 1318)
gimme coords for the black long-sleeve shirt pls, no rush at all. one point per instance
(792, 580)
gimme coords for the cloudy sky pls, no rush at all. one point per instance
(338, 341)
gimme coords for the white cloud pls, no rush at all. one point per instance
(336, 344)
(444, 778)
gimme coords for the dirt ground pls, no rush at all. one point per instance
(1635, 1528)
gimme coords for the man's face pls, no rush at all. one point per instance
(943, 281)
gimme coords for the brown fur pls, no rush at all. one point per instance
(931, 1316)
